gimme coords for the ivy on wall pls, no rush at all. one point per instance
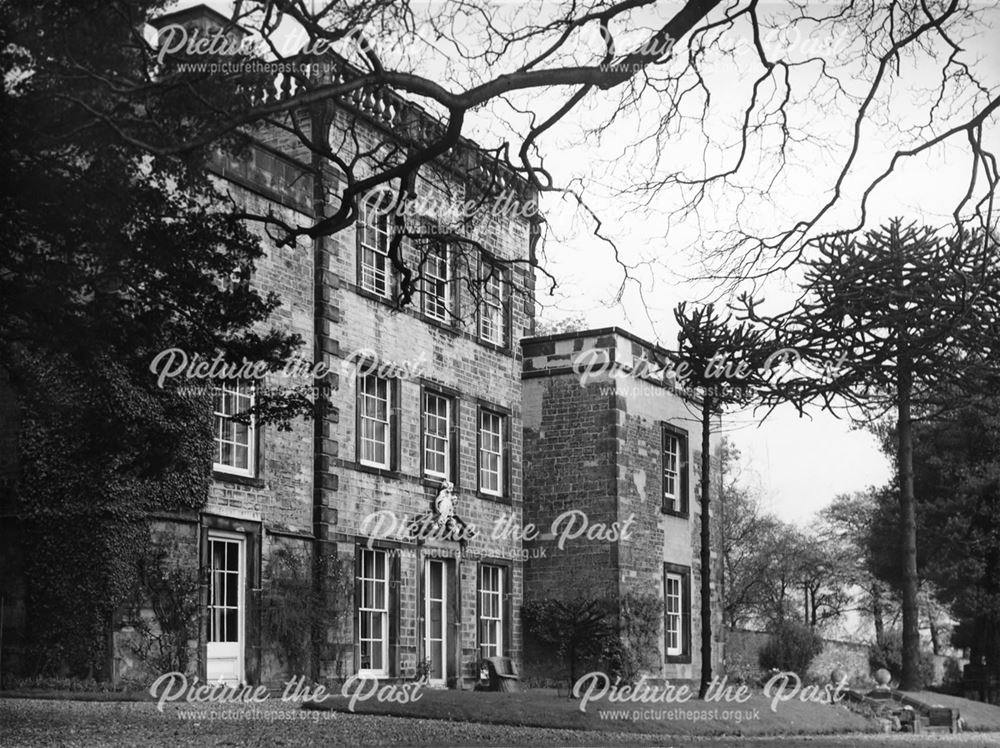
(296, 611)
(98, 454)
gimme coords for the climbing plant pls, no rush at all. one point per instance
(164, 613)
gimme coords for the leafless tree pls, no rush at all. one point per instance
(675, 72)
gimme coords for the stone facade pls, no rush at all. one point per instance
(595, 431)
(315, 497)
(287, 551)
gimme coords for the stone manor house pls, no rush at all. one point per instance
(445, 440)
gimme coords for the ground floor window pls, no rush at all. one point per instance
(491, 618)
(677, 613)
(373, 612)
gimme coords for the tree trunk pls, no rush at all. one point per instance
(722, 532)
(910, 677)
(706, 550)
(877, 614)
(935, 639)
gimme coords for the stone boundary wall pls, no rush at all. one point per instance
(743, 652)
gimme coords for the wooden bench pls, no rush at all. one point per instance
(503, 674)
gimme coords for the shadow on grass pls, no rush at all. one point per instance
(544, 709)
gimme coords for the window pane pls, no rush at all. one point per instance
(437, 428)
(491, 313)
(673, 612)
(232, 595)
(218, 554)
(373, 608)
(491, 452)
(226, 429)
(436, 286)
(671, 472)
(374, 432)
(218, 588)
(215, 625)
(374, 238)
(234, 440)
(491, 610)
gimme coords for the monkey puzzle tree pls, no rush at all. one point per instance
(909, 317)
(724, 364)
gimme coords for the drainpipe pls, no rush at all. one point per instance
(320, 118)
(459, 684)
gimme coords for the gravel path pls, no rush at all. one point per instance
(33, 722)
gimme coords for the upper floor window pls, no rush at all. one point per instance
(675, 471)
(374, 421)
(491, 457)
(235, 441)
(374, 270)
(438, 418)
(437, 284)
(492, 307)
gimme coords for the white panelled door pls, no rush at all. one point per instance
(226, 607)
(435, 621)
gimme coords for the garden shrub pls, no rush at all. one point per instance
(890, 656)
(791, 646)
(635, 647)
(578, 630)
(618, 634)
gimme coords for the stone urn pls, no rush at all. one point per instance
(882, 677)
(838, 676)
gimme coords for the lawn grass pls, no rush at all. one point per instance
(62, 694)
(545, 709)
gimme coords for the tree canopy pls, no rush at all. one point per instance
(109, 255)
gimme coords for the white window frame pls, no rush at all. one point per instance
(430, 436)
(373, 250)
(672, 474)
(492, 307)
(242, 391)
(491, 599)
(369, 605)
(673, 614)
(368, 405)
(437, 287)
(487, 450)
